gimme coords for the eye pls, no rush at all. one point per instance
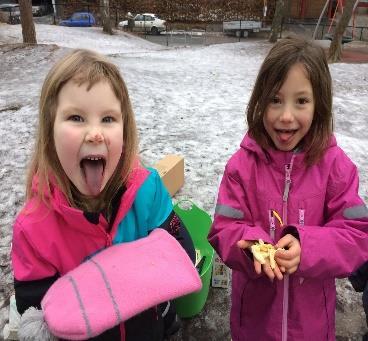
(275, 100)
(302, 100)
(75, 118)
(108, 119)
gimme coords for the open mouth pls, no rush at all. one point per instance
(93, 168)
(285, 134)
(286, 131)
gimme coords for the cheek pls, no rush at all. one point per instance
(66, 140)
(116, 140)
(308, 120)
(267, 120)
(117, 145)
(62, 132)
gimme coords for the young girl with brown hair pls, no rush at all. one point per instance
(290, 185)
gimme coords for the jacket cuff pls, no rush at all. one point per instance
(290, 229)
(357, 283)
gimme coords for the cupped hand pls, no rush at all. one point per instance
(288, 260)
(266, 268)
(258, 267)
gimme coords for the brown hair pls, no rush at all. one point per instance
(84, 67)
(282, 56)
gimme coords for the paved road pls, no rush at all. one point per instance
(191, 38)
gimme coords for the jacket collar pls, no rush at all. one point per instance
(276, 157)
(74, 217)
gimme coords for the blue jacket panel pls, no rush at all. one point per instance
(151, 207)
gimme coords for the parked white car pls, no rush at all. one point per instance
(146, 22)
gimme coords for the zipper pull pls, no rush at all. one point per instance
(272, 224)
(287, 183)
(286, 191)
(301, 216)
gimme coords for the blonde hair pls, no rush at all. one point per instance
(83, 67)
(283, 55)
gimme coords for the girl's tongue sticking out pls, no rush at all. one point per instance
(93, 169)
(285, 135)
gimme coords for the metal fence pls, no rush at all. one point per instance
(326, 30)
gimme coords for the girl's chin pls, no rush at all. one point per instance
(88, 193)
(284, 147)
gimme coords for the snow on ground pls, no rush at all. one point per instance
(188, 101)
(79, 37)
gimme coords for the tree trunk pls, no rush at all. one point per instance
(277, 20)
(105, 16)
(334, 53)
(26, 19)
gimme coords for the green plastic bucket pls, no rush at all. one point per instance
(198, 224)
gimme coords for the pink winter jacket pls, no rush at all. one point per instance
(326, 213)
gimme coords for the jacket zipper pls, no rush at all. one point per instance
(271, 219)
(301, 223)
(301, 216)
(285, 301)
(108, 238)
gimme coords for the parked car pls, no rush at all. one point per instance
(146, 22)
(79, 19)
(10, 14)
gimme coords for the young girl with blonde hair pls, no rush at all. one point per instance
(290, 185)
(86, 188)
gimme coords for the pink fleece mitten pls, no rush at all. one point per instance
(118, 283)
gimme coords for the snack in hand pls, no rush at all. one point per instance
(265, 253)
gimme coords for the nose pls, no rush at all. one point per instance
(287, 114)
(94, 136)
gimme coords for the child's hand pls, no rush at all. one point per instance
(258, 267)
(288, 260)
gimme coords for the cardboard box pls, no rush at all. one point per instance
(171, 170)
(220, 273)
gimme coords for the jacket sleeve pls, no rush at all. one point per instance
(30, 293)
(27, 263)
(340, 246)
(174, 225)
(359, 278)
(163, 216)
(32, 274)
(233, 222)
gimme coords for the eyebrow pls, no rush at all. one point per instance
(71, 109)
(304, 92)
(299, 93)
